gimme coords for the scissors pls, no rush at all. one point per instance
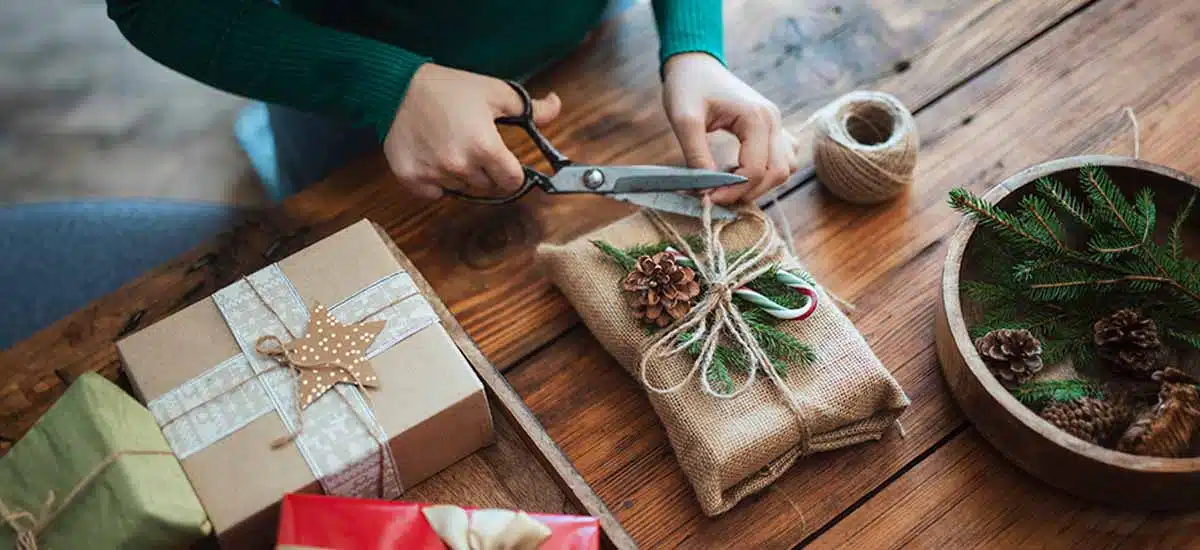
(652, 187)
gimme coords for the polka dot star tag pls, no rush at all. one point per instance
(330, 353)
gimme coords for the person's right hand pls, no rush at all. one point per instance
(445, 137)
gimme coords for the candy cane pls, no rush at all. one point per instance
(768, 305)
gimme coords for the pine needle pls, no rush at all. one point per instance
(1175, 241)
(1064, 200)
(621, 257)
(1036, 395)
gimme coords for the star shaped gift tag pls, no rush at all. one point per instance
(330, 352)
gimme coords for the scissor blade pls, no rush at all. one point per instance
(635, 179)
(673, 203)
(638, 179)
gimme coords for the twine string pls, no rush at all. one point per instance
(715, 317)
(1137, 133)
(864, 173)
(29, 525)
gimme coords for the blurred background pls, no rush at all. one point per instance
(84, 114)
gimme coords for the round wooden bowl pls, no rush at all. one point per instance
(1086, 470)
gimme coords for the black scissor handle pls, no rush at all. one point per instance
(533, 177)
(524, 121)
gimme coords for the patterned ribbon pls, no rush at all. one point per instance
(341, 437)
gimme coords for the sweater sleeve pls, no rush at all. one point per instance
(256, 49)
(689, 26)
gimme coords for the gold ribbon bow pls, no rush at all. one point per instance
(490, 529)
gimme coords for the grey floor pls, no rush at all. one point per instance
(84, 114)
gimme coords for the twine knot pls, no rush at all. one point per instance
(28, 525)
(716, 318)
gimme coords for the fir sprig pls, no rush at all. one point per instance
(783, 349)
(1041, 280)
(1036, 395)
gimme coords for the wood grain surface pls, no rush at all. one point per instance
(996, 85)
(966, 495)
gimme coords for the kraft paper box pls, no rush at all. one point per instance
(225, 407)
(114, 481)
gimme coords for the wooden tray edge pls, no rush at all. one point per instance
(516, 412)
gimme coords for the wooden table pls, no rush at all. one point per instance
(996, 86)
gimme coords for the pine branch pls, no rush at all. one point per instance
(1064, 200)
(622, 258)
(1175, 242)
(1041, 213)
(988, 215)
(1107, 201)
(1189, 338)
(1035, 395)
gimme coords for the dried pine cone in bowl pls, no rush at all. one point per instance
(1093, 420)
(662, 290)
(1128, 343)
(1168, 428)
(1013, 356)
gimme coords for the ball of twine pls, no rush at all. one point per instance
(865, 147)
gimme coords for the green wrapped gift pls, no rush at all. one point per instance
(96, 472)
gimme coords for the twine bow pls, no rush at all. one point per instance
(715, 317)
(29, 525)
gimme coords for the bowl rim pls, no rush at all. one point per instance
(966, 348)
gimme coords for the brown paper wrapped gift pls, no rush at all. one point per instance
(228, 410)
(731, 447)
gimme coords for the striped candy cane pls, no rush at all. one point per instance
(768, 305)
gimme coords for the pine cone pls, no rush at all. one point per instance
(1014, 356)
(1168, 428)
(1128, 343)
(662, 289)
(1093, 420)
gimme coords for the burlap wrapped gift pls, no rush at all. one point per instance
(732, 447)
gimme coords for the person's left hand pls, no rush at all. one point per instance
(702, 96)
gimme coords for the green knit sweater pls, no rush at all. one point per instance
(353, 59)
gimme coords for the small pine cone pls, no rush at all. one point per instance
(1093, 420)
(1014, 356)
(1167, 429)
(662, 290)
(1128, 343)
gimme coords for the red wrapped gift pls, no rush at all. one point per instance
(318, 522)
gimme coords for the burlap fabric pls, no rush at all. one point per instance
(731, 448)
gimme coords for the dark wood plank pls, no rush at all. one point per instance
(479, 257)
(967, 496)
(1054, 98)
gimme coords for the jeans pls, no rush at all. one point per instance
(57, 257)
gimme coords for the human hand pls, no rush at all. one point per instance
(702, 96)
(444, 135)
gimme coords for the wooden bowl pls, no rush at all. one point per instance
(1086, 470)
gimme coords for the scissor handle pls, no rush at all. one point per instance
(524, 121)
(533, 177)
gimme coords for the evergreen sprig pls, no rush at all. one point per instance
(1058, 262)
(783, 349)
(1037, 395)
